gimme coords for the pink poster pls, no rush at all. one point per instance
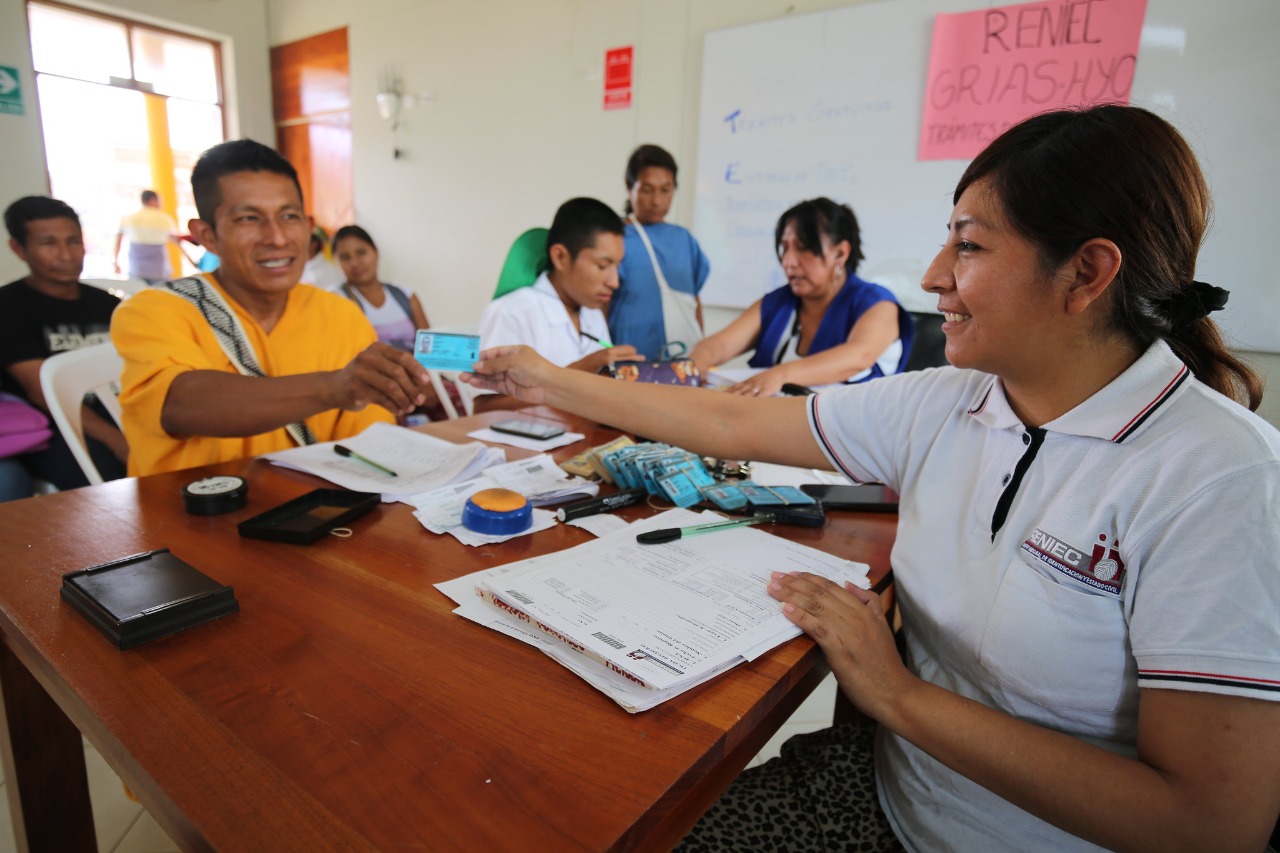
(992, 68)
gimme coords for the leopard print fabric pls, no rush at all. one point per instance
(819, 794)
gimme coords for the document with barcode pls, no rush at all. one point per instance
(663, 616)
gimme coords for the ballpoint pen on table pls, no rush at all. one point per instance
(604, 504)
(351, 454)
(670, 534)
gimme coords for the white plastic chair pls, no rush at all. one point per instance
(464, 391)
(121, 288)
(65, 379)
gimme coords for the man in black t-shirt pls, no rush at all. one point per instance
(48, 312)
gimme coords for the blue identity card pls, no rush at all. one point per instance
(446, 351)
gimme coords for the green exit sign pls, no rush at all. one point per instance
(10, 91)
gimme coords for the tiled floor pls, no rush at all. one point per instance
(814, 714)
(124, 827)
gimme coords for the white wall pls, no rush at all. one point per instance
(515, 128)
(516, 125)
(20, 139)
(241, 27)
(1267, 364)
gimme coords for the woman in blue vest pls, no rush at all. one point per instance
(825, 325)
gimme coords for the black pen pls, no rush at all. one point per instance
(592, 506)
(351, 454)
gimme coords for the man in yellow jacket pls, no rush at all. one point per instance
(245, 360)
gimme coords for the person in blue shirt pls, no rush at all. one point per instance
(646, 314)
(825, 325)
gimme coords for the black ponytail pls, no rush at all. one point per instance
(1124, 174)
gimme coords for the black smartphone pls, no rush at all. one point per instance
(810, 515)
(528, 429)
(861, 498)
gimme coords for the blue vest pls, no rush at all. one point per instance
(856, 297)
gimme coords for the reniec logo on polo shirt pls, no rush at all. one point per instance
(1100, 567)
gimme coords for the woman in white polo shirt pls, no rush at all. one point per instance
(1087, 555)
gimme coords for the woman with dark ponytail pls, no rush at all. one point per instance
(1133, 182)
(1087, 560)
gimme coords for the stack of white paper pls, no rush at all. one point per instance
(541, 480)
(643, 623)
(723, 377)
(768, 474)
(523, 442)
(538, 478)
(421, 462)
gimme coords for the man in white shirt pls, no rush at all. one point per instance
(150, 231)
(559, 315)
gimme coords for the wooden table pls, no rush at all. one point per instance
(344, 707)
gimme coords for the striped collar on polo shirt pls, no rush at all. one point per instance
(1125, 407)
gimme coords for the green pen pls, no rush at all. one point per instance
(670, 534)
(351, 454)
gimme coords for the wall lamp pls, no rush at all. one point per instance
(393, 100)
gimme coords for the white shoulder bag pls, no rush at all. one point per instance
(679, 310)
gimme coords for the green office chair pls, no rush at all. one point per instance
(526, 260)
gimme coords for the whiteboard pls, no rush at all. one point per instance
(830, 104)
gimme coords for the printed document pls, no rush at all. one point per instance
(421, 462)
(664, 616)
(631, 696)
(538, 478)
